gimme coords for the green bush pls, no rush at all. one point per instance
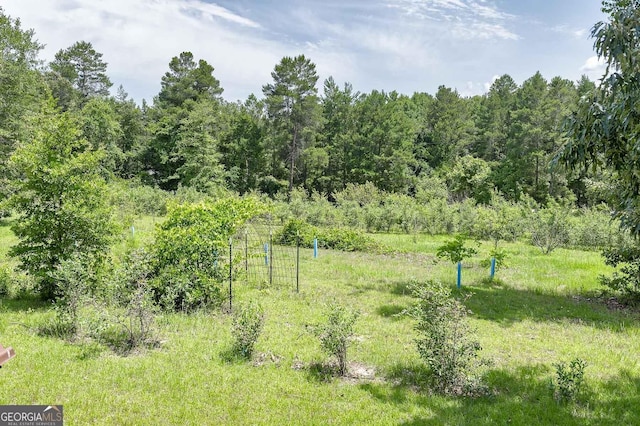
(594, 229)
(344, 239)
(60, 199)
(189, 252)
(336, 333)
(294, 229)
(131, 311)
(248, 321)
(75, 279)
(6, 281)
(625, 281)
(569, 380)
(445, 340)
(550, 228)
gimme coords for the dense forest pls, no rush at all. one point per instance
(300, 132)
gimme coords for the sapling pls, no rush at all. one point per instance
(455, 251)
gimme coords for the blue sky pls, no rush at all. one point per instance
(403, 45)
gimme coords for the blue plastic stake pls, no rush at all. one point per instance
(315, 248)
(459, 274)
(133, 231)
(266, 253)
(493, 267)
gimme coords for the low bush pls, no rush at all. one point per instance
(248, 321)
(550, 229)
(626, 280)
(500, 255)
(6, 281)
(131, 311)
(137, 199)
(74, 280)
(569, 380)
(344, 239)
(335, 335)
(446, 342)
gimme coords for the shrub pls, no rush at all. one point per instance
(625, 281)
(138, 199)
(438, 217)
(569, 380)
(189, 251)
(246, 327)
(61, 200)
(74, 279)
(330, 238)
(594, 229)
(550, 229)
(131, 313)
(346, 240)
(445, 340)
(295, 228)
(6, 281)
(336, 333)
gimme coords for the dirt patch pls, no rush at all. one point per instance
(358, 373)
(324, 372)
(265, 358)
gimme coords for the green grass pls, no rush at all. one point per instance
(535, 314)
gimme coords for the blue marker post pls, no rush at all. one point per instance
(133, 232)
(459, 274)
(315, 248)
(266, 253)
(493, 267)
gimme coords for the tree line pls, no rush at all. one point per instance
(293, 135)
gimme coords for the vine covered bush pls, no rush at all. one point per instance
(189, 251)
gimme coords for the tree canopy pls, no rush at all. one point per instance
(605, 129)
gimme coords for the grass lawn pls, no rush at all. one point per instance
(540, 311)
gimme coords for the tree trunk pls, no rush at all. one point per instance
(292, 154)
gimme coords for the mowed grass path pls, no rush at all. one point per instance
(535, 315)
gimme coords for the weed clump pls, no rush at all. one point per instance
(569, 380)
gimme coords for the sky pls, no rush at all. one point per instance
(403, 45)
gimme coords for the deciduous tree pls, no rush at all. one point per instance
(605, 130)
(60, 200)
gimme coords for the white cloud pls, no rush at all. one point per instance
(593, 64)
(580, 33)
(487, 85)
(467, 19)
(483, 31)
(217, 11)
(577, 33)
(406, 45)
(594, 68)
(138, 38)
